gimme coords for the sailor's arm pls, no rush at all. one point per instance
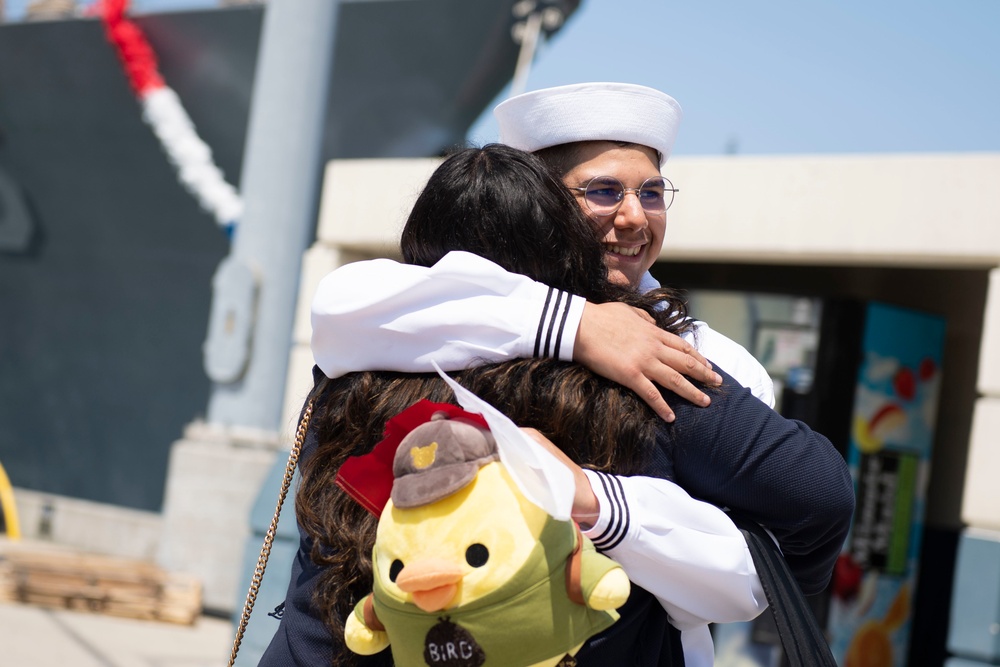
(380, 314)
(686, 552)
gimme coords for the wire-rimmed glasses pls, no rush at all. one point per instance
(604, 195)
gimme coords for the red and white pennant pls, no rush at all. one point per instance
(163, 111)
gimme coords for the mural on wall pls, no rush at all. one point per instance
(895, 412)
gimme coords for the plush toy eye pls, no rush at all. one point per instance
(477, 555)
(395, 569)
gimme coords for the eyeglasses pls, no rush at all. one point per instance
(604, 195)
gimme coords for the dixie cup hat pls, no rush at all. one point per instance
(590, 112)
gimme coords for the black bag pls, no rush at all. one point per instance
(802, 639)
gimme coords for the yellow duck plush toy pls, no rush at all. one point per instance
(468, 572)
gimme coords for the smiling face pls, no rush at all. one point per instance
(632, 239)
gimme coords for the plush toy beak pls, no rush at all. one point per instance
(432, 583)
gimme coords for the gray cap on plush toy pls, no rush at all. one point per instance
(438, 458)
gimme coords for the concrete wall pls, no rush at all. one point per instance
(894, 210)
(981, 504)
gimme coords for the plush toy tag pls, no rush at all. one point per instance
(540, 476)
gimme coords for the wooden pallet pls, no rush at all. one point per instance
(58, 578)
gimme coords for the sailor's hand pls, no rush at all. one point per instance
(623, 344)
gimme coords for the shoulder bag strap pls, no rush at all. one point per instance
(265, 551)
(802, 639)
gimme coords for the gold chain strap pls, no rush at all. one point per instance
(265, 550)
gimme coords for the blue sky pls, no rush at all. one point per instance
(784, 76)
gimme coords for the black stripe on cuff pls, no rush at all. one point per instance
(562, 326)
(552, 322)
(619, 522)
(541, 321)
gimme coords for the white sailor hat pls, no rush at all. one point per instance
(590, 112)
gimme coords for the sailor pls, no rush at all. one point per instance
(609, 142)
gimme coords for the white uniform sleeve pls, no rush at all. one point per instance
(383, 315)
(684, 551)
